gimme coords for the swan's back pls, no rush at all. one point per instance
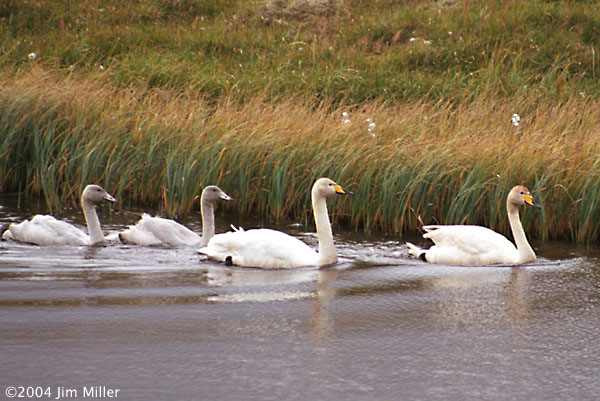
(265, 248)
(46, 230)
(158, 231)
(469, 245)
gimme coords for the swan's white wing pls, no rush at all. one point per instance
(468, 245)
(158, 231)
(265, 248)
(46, 230)
(112, 238)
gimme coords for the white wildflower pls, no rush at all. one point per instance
(347, 121)
(412, 39)
(32, 56)
(371, 126)
(515, 119)
(345, 114)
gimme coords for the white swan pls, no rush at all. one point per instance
(270, 249)
(476, 245)
(46, 230)
(159, 231)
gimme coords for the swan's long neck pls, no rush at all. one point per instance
(526, 253)
(93, 224)
(327, 253)
(208, 221)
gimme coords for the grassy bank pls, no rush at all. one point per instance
(442, 162)
(342, 51)
(409, 105)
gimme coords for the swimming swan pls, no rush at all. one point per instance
(476, 245)
(270, 249)
(46, 230)
(158, 231)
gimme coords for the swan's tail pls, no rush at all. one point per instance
(236, 229)
(416, 251)
(3, 229)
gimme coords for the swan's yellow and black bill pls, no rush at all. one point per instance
(529, 200)
(341, 191)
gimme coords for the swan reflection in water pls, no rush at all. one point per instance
(321, 325)
(259, 285)
(220, 276)
(507, 292)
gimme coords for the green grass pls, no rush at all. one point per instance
(155, 99)
(352, 52)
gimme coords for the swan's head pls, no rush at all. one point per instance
(213, 193)
(93, 194)
(326, 187)
(520, 195)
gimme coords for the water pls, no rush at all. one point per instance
(160, 323)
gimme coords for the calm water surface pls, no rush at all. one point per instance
(160, 323)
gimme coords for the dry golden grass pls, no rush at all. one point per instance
(444, 162)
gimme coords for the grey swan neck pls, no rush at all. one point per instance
(208, 221)
(93, 223)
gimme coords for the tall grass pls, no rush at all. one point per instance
(435, 161)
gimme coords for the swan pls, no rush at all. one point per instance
(476, 245)
(159, 231)
(271, 249)
(47, 230)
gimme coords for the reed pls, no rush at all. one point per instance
(445, 163)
